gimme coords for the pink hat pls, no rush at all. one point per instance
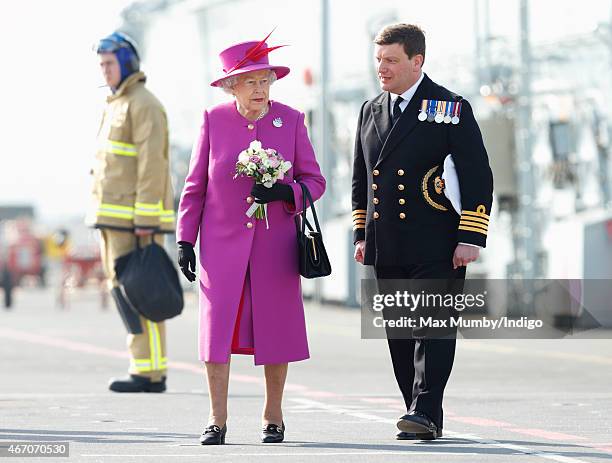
(247, 57)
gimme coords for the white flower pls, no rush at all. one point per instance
(285, 166)
(243, 157)
(266, 178)
(255, 145)
(251, 166)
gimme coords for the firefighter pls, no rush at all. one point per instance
(132, 196)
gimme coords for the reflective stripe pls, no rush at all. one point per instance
(121, 148)
(157, 361)
(152, 350)
(167, 215)
(148, 209)
(157, 347)
(144, 365)
(155, 210)
(116, 211)
(149, 206)
(146, 368)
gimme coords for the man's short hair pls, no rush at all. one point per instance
(410, 36)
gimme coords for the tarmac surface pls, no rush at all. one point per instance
(507, 400)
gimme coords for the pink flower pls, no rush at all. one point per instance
(262, 170)
(270, 151)
(255, 159)
(274, 163)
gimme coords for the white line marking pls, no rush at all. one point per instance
(517, 448)
(471, 437)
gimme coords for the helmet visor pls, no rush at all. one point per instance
(107, 46)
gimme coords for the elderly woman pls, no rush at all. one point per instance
(250, 293)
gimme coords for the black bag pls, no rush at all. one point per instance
(150, 282)
(314, 262)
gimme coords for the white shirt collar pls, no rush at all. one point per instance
(408, 94)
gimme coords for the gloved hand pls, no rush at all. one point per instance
(278, 192)
(187, 260)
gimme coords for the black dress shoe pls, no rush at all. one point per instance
(213, 435)
(406, 436)
(417, 436)
(273, 433)
(418, 423)
(135, 383)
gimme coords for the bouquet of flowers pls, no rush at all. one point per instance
(266, 166)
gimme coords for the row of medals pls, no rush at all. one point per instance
(438, 117)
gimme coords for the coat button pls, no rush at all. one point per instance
(402, 215)
(376, 215)
(400, 187)
(402, 201)
(400, 172)
(250, 126)
(376, 172)
(375, 200)
(374, 186)
(249, 199)
(249, 225)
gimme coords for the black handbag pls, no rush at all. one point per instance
(150, 282)
(314, 262)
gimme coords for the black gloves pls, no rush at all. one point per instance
(187, 260)
(278, 192)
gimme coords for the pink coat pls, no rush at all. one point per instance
(214, 203)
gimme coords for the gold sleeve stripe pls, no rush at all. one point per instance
(358, 227)
(475, 214)
(360, 222)
(360, 214)
(478, 230)
(475, 219)
(473, 224)
(359, 211)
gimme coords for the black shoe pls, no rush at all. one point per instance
(213, 435)
(406, 436)
(135, 383)
(417, 436)
(418, 423)
(273, 433)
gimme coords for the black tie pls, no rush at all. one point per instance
(397, 112)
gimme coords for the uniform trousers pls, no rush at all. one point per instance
(147, 349)
(422, 366)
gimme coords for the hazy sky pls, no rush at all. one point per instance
(51, 102)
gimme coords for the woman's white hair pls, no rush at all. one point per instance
(229, 82)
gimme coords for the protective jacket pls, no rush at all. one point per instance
(132, 185)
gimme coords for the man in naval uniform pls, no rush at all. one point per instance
(404, 224)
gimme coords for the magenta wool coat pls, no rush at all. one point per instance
(213, 203)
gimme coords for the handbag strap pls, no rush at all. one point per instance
(306, 195)
(138, 238)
